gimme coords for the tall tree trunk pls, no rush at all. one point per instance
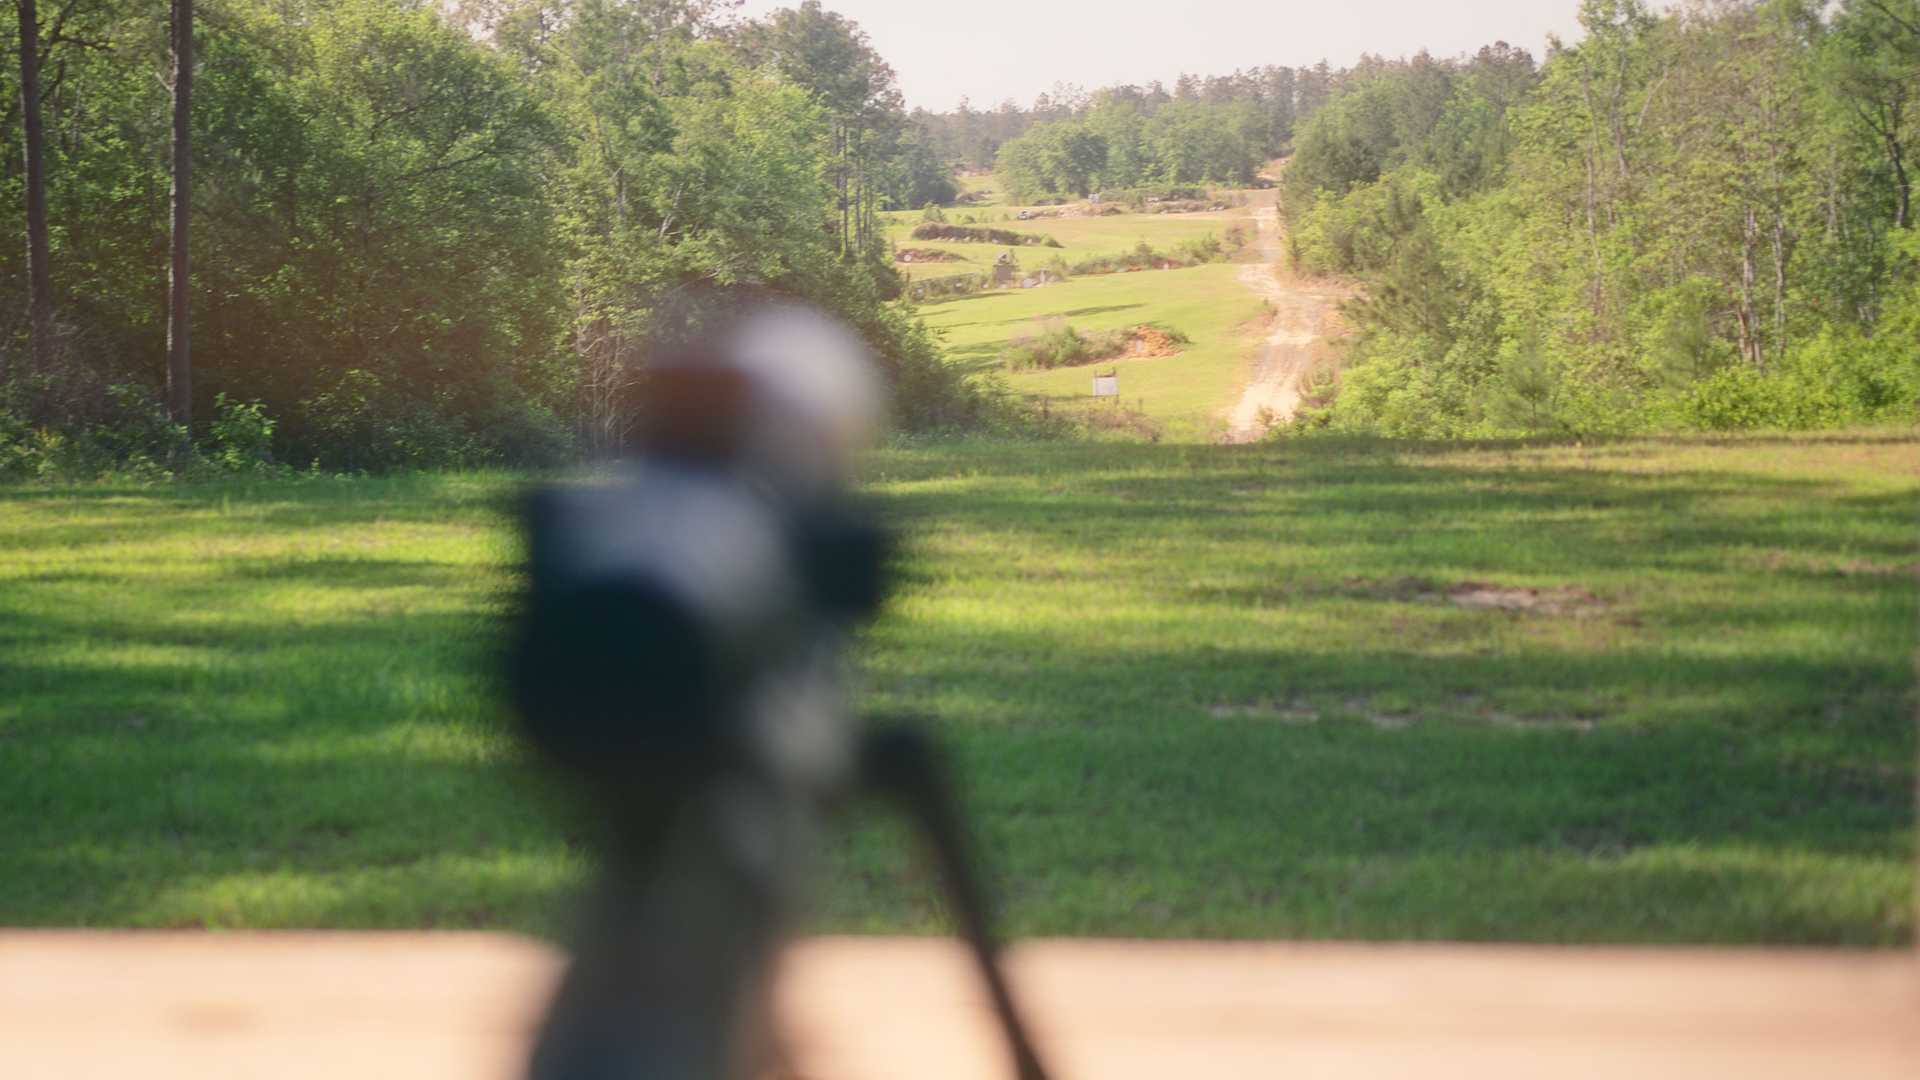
(39, 260)
(1749, 317)
(1902, 187)
(1782, 253)
(842, 178)
(179, 316)
(859, 196)
(1596, 290)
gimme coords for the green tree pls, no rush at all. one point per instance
(829, 55)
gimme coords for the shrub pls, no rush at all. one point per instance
(135, 426)
(1200, 249)
(931, 212)
(949, 285)
(241, 435)
(361, 425)
(1142, 257)
(1839, 377)
(1737, 397)
(1139, 197)
(1057, 344)
(935, 231)
(123, 432)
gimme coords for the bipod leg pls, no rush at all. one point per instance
(902, 764)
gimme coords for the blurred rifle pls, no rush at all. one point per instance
(678, 656)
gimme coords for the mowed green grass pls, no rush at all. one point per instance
(1194, 691)
(1184, 393)
(1183, 397)
(1079, 238)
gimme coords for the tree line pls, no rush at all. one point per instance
(1070, 143)
(1701, 218)
(426, 232)
(1283, 96)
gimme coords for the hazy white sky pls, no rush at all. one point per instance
(989, 50)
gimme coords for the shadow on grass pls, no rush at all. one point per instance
(1185, 704)
(1046, 315)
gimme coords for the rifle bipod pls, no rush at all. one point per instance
(901, 764)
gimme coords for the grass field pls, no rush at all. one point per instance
(1079, 238)
(1182, 396)
(1638, 691)
(1183, 393)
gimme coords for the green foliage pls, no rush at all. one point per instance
(972, 235)
(1191, 251)
(241, 435)
(1057, 344)
(1835, 379)
(923, 177)
(1120, 146)
(1140, 198)
(1200, 249)
(415, 245)
(126, 435)
(1687, 220)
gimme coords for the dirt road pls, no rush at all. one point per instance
(1306, 315)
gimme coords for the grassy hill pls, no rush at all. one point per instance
(1638, 691)
(1181, 395)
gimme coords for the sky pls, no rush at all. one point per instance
(990, 50)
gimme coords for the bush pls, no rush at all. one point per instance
(1139, 197)
(949, 285)
(241, 436)
(931, 212)
(1737, 397)
(123, 433)
(1200, 249)
(936, 231)
(1142, 257)
(1058, 344)
(1839, 377)
(360, 424)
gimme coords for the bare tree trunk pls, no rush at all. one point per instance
(1781, 253)
(841, 179)
(39, 259)
(859, 196)
(1749, 319)
(1597, 286)
(179, 270)
(1783, 240)
(1902, 187)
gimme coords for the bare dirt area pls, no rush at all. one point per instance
(1148, 340)
(1306, 317)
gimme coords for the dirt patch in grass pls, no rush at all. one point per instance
(1296, 711)
(1566, 600)
(925, 255)
(1794, 562)
(1301, 711)
(1149, 340)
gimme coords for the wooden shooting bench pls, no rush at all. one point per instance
(292, 1006)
